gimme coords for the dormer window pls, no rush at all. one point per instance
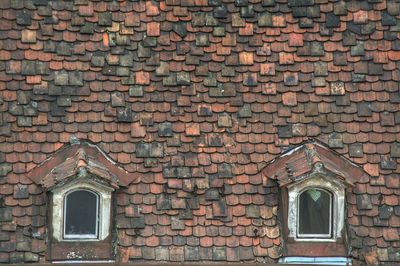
(81, 211)
(314, 213)
(313, 179)
(316, 209)
(80, 180)
(81, 215)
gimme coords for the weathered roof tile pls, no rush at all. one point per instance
(195, 97)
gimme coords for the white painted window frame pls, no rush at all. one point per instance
(104, 208)
(331, 202)
(320, 181)
(98, 211)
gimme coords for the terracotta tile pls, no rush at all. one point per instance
(289, 98)
(31, 55)
(69, 36)
(247, 30)
(86, 10)
(206, 241)
(245, 241)
(391, 234)
(394, 55)
(267, 69)
(28, 36)
(295, 39)
(391, 200)
(34, 79)
(286, 59)
(152, 241)
(381, 58)
(392, 182)
(232, 241)
(142, 78)
(229, 40)
(269, 88)
(360, 16)
(371, 169)
(278, 21)
(132, 20)
(280, 85)
(246, 58)
(152, 9)
(180, 11)
(192, 129)
(137, 130)
(153, 29)
(13, 66)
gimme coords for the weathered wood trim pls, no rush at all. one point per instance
(308, 249)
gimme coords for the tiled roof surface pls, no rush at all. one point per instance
(193, 98)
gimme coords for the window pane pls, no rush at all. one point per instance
(81, 213)
(314, 212)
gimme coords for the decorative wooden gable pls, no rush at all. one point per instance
(309, 159)
(79, 160)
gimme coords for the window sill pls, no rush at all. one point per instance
(316, 260)
(73, 262)
(80, 240)
(315, 240)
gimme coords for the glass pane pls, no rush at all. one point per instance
(81, 213)
(314, 212)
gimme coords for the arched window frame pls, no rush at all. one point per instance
(325, 182)
(98, 215)
(104, 209)
(331, 207)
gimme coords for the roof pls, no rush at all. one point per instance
(302, 160)
(193, 98)
(71, 160)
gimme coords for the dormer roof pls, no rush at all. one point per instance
(79, 160)
(312, 157)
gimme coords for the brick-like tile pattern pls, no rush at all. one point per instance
(193, 98)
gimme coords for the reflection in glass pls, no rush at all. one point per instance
(315, 209)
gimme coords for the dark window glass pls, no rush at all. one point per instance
(81, 213)
(315, 207)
